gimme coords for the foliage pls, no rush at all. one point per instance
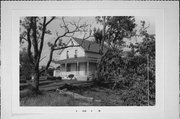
(25, 66)
(49, 71)
(132, 71)
(115, 29)
(113, 61)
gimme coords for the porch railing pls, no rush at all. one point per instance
(58, 73)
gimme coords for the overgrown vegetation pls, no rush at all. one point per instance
(46, 99)
(132, 71)
(106, 96)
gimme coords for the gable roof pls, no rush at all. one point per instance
(88, 46)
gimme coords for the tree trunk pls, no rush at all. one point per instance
(35, 81)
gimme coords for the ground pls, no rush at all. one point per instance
(50, 97)
(79, 91)
(105, 97)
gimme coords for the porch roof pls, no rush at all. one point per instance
(75, 60)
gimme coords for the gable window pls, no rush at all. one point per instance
(67, 54)
(75, 55)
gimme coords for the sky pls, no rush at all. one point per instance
(55, 29)
(54, 25)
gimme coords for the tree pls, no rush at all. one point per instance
(25, 66)
(147, 50)
(133, 71)
(111, 36)
(140, 68)
(115, 29)
(33, 31)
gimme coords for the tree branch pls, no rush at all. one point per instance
(29, 46)
(42, 37)
(49, 20)
(84, 38)
(43, 34)
(67, 33)
(21, 38)
(60, 48)
(42, 58)
(49, 61)
(35, 42)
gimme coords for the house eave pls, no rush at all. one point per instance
(75, 60)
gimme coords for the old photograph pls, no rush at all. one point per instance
(87, 61)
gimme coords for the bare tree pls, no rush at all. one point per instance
(34, 30)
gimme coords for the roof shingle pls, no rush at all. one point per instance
(88, 45)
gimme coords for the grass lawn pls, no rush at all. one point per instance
(102, 96)
(48, 99)
(106, 96)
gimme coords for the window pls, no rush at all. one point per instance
(75, 54)
(67, 54)
(68, 68)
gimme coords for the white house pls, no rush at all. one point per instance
(80, 61)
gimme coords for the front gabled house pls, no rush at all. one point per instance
(80, 61)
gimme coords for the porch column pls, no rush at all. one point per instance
(54, 73)
(65, 67)
(77, 67)
(87, 67)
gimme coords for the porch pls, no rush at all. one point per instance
(81, 68)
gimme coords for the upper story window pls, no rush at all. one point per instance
(75, 55)
(67, 54)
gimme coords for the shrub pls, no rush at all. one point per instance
(129, 73)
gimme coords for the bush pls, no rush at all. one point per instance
(58, 78)
(50, 71)
(51, 78)
(129, 73)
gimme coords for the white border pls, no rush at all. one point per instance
(11, 11)
(157, 14)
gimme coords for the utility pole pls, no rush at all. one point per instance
(148, 75)
(103, 33)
